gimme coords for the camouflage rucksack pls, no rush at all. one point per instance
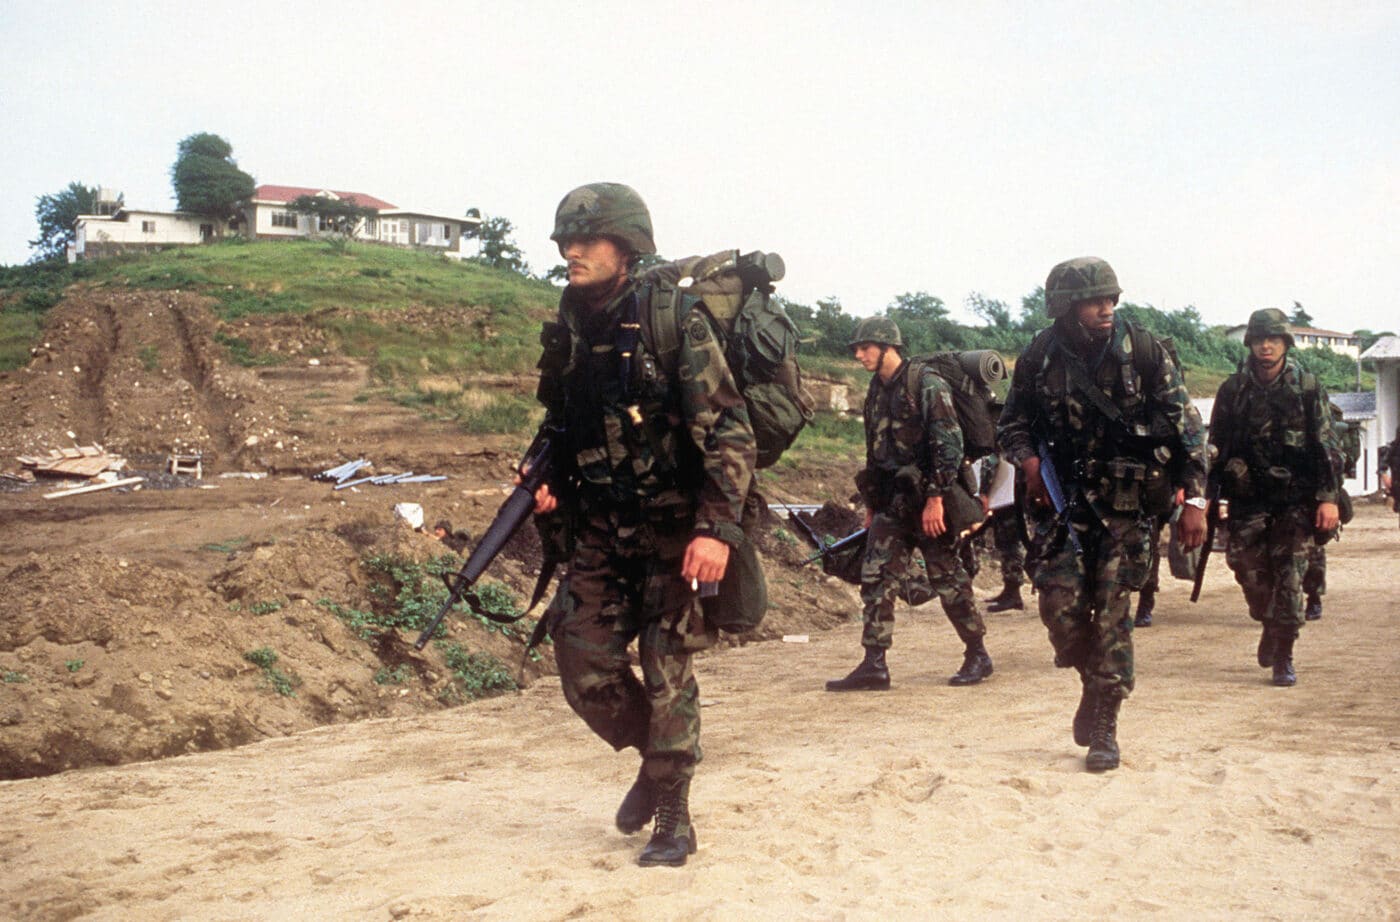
(760, 340)
(969, 376)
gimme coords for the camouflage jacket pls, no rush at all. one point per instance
(1390, 457)
(1275, 442)
(637, 441)
(1158, 424)
(913, 445)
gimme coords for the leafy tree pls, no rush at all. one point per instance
(207, 181)
(1300, 317)
(1033, 317)
(498, 249)
(996, 313)
(56, 214)
(343, 216)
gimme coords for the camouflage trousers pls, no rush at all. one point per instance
(889, 549)
(1315, 576)
(1006, 536)
(1268, 552)
(1084, 599)
(1154, 571)
(616, 592)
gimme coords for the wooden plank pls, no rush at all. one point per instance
(93, 488)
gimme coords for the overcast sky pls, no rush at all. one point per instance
(1226, 155)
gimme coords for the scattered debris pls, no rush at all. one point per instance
(343, 472)
(94, 487)
(79, 461)
(795, 638)
(244, 475)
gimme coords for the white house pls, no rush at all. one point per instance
(1308, 337)
(129, 229)
(269, 216)
(1385, 352)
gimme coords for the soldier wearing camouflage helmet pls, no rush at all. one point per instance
(1279, 463)
(1102, 401)
(914, 455)
(653, 474)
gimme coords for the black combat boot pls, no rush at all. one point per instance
(1084, 714)
(1284, 676)
(1267, 642)
(639, 806)
(673, 837)
(1103, 741)
(1314, 609)
(1146, 600)
(871, 675)
(976, 666)
(1009, 600)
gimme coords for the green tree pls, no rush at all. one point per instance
(207, 181)
(341, 216)
(996, 313)
(55, 215)
(498, 248)
(1300, 317)
(1033, 317)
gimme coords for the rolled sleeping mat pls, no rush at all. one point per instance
(983, 363)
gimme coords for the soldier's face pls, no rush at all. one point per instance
(1095, 315)
(868, 354)
(595, 263)
(1269, 350)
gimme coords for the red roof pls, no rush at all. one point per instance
(289, 193)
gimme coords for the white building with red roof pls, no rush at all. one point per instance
(1309, 337)
(269, 216)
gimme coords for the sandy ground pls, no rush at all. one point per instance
(1235, 799)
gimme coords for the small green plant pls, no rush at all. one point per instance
(396, 676)
(240, 352)
(784, 537)
(13, 677)
(150, 357)
(265, 658)
(481, 675)
(73, 665)
(265, 608)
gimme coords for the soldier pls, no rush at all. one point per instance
(1315, 576)
(656, 469)
(914, 456)
(1101, 400)
(1279, 466)
(1006, 538)
(1389, 463)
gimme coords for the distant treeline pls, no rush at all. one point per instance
(926, 324)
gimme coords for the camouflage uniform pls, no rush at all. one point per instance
(1105, 469)
(1006, 538)
(1315, 575)
(914, 452)
(1278, 458)
(650, 461)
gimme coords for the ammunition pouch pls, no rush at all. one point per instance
(1235, 480)
(1124, 484)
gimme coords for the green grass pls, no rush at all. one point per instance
(265, 658)
(477, 675)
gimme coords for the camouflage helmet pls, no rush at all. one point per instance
(879, 330)
(1269, 321)
(1078, 280)
(605, 209)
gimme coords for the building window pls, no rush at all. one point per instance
(284, 219)
(148, 227)
(370, 228)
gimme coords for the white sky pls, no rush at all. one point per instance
(1227, 155)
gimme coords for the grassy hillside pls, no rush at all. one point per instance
(349, 289)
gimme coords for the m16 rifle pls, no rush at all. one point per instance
(1212, 523)
(1054, 487)
(534, 470)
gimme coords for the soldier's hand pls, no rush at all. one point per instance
(545, 501)
(1327, 517)
(1191, 529)
(705, 559)
(933, 522)
(869, 517)
(1035, 487)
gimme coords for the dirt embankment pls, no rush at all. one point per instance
(131, 623)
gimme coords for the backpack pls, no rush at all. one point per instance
(760, 341)
(968, 376)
